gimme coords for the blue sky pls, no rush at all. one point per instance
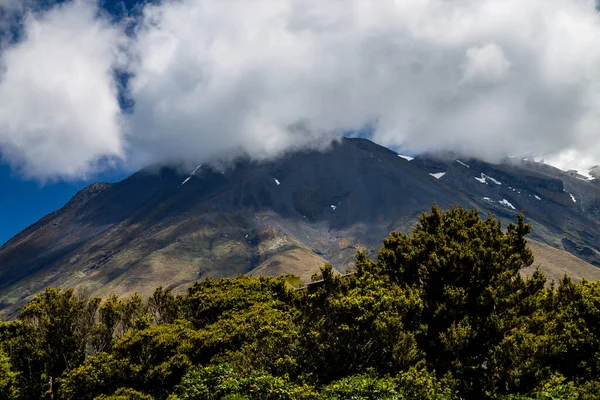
(22, 202)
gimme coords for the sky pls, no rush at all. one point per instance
(88, 88)
(22, 202)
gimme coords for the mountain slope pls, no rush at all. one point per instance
(562, 207)
(555, 263)
(159, 227)
(291, 215)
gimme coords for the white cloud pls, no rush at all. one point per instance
(485, 77)
(485, 63)
(59, 114)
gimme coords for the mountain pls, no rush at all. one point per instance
(164, 227)
(563, 207)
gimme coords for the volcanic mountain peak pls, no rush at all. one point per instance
(164, 227)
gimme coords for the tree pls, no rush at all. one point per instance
(165, 307)
(109, 320)
(63, 323)
(27, 358)
(101, 373)
(157, 356)
(50, 337)
(8, 379)
(125, 394)
(358, 323)
(466, 271)
(362, 387)
(222, 381)
(209, 299)
(573, 314)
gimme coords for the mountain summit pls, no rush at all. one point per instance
(291, 215)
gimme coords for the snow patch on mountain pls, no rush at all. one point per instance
(497, 182)
(190, 177)
(195, 170)
(507, 203)
(484, 178)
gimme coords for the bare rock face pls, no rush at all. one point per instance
(291, 215)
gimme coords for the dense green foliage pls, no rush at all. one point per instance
(443, 313)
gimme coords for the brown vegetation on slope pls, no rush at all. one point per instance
(555, 263)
